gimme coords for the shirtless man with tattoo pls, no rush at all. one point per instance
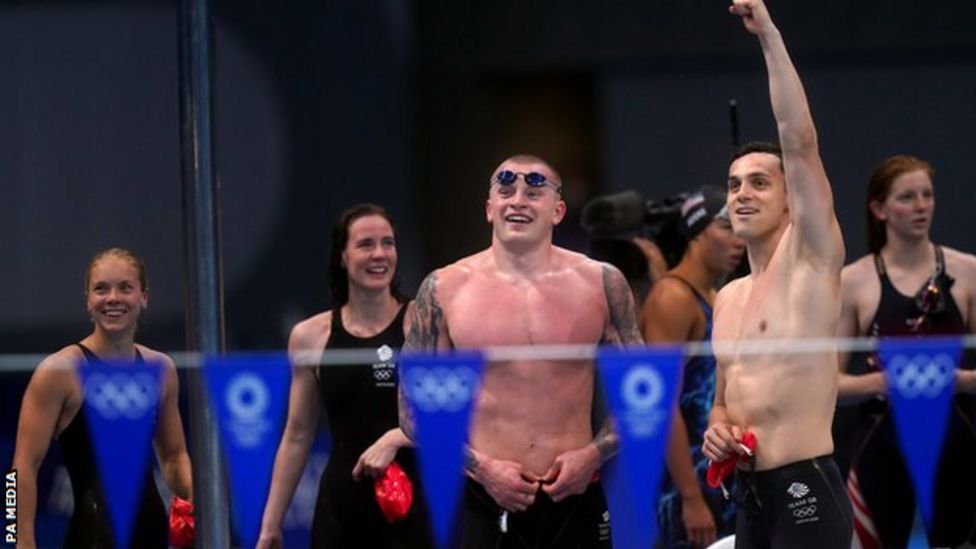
(533, 457)
(780, 202)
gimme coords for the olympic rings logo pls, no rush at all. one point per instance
(441, 389)
(383, 375)
(805, 512)
(246, 397)
(121, 394)
(921, 376)
(642, 388)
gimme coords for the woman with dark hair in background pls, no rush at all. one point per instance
(116, 292)
(907, 286)
(679, 310)
(360, 400)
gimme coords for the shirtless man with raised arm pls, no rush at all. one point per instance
(781, 204)
(533, 456)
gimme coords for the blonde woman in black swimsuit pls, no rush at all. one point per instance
(117, 291)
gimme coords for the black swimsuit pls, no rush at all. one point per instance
(90, 526)
(796, 506)
(361, 404)
(881, 471)
(576, 522)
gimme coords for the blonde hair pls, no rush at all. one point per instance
(125, 255)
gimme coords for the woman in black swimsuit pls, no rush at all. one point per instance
(116, 291)
(360, 399)
(907, 286)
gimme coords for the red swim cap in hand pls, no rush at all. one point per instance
(394, 493)
(717, 472)
(181, 527)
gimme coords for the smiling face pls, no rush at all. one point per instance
(908, 208)
(757, 196)
(370, 255)
(115, 296)
(522, 215)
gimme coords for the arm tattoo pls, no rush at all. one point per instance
(423, 335)
(405, 415)
(620, 302)
(427, 319)
(470, 461)
(606, 441)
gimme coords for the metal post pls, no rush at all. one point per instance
(202, 275)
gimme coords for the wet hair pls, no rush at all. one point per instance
(758, 147)
(338, 277)
(125, 255)
(879, 187)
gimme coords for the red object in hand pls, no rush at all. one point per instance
(717, 472)
(181, 523)
(394, 493)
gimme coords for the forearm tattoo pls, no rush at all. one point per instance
(406, 417)
(470, 461)
(623, 328)
(607, 442)
(427, 318)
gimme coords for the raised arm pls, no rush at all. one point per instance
(43, 402)
(169, 442)
(296, 441)
(810, 198)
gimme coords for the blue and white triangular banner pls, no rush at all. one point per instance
(921, 381)
(250, 397)
(441, 391)
(641, 393)
(121, 400)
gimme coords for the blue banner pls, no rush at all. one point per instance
(641, 390)
(250, 397)
(121, 399)
(441, 391)
(921, 380)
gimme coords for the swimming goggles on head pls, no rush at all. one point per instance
(532, 179)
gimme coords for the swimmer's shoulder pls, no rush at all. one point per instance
(859, 267)
(64, 359)
(156, 356)
(729, 292)
(309, 332)
(959, 264)
(453, 275)
(55, 374)
(670, 293)
(586, 266)
(855, 276)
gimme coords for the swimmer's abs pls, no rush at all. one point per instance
(534, 449)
